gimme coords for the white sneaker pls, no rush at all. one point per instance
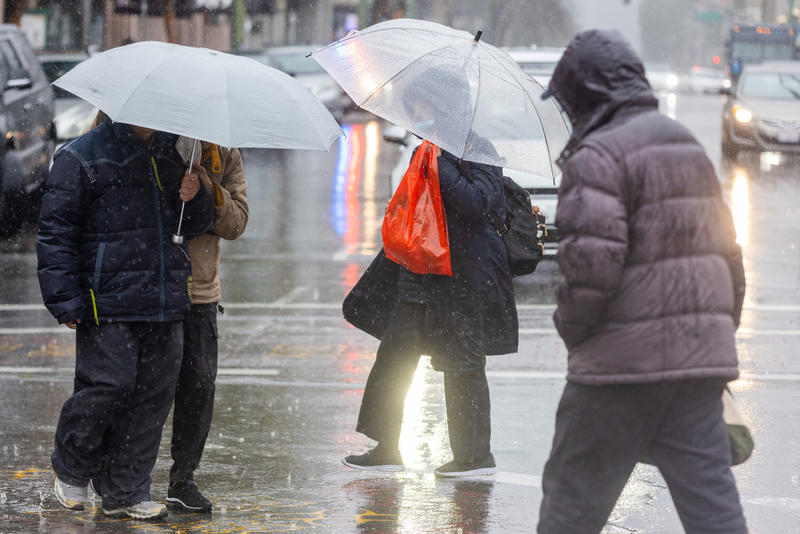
(141, 510)
(94, 493)
(71, 497)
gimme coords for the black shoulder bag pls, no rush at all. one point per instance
(520, 228)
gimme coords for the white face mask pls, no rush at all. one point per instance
(184, 147)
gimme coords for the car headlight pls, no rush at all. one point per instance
(672, 81)
(742, 115)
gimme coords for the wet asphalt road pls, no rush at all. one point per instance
(292, 371)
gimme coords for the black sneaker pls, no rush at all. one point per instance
(454, 469)
(378, 459)
(185, 495)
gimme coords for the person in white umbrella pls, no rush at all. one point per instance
(108, 268)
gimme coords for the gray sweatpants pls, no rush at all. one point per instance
(603, 431)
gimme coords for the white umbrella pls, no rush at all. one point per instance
(204, 94)
(224, 99)
(451, 88)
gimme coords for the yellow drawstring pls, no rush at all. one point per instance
(94, 307)
(155, 169)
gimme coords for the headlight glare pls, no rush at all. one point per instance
(742, 115)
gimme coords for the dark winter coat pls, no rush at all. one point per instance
(110, 207)
(654, 281)
(472, 313)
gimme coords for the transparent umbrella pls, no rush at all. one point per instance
(451, 88)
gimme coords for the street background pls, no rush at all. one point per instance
(292, 371)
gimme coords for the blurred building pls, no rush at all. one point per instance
(69, 25)
(66, 25)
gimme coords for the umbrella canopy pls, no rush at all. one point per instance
(228, 100)
(447, 86)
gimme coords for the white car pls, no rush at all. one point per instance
(73, 115)
(294, 61)
(662, 79)
(706, 81)
(537, 62)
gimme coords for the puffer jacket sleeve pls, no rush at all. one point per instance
(593, 247)
(232, 211)
(472, 197)
(64, 208)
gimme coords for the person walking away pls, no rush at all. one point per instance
(457, 319)
(107, 268)
(651, 299)
(222, 173)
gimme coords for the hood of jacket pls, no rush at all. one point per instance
(598, 75)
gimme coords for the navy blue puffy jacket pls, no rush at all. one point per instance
(110, 207)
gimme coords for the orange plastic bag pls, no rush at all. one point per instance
(414, 227)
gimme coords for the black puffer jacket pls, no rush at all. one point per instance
(110, 207)
(654, 281)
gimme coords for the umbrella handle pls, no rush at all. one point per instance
(177, 238)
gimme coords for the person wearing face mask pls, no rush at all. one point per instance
(221, 172)
(457, 319)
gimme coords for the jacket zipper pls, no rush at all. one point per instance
(156, 196)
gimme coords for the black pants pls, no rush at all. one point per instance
(111, 425)
(466, 392)
(601, 433)
(194, 392)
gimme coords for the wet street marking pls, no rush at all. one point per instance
(282, 303)
(35, 330)
(258, 373)
(740, 333)
(224, 371)
(287, 298)
(63, 330)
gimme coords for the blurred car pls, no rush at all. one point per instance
(701, 80)
(539, 63)
(662, 79)
(294, 61)
(26, 124)
(73, 115)
(762, 112)
(543, 190)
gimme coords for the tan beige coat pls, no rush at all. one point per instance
(231, 213)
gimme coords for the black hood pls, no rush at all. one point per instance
(598, 75)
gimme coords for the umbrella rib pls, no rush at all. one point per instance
(533, 104)
(401, 71)
(347, 38)
(312, 120)
(140, 84)
(475, 109)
